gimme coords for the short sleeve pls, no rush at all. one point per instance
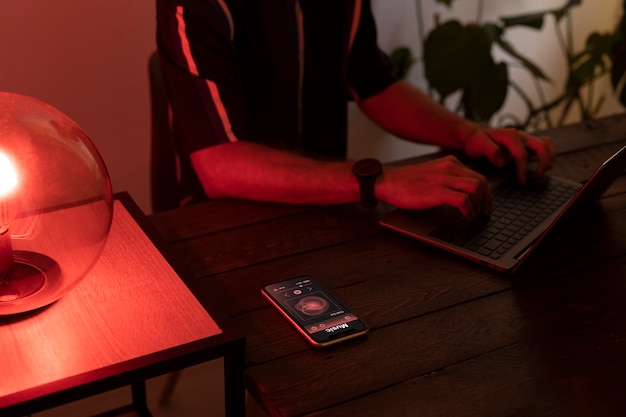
(201, 72)
(369, 69)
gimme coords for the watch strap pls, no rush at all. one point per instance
(367, 172)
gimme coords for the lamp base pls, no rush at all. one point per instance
(31, 284)
(25, 280)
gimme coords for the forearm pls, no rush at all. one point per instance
(251, 171)
(408, 113)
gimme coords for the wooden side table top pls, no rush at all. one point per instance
(131, 305)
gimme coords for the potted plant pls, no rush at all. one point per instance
(459, 61)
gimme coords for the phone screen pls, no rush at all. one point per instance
(320, 317)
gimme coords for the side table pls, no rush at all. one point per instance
(130, 319)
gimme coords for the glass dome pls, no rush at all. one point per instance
(56, 204)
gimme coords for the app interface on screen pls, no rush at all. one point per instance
(310, 306)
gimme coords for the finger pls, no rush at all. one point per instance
(481, 145)
(458, 177)
(472, 183)
(516, 143)
(477, 190)
(462, 202)
(487, 197)
(545, 152)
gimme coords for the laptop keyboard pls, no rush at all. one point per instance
(517, 211)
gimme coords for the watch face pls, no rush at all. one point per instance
(367, 167)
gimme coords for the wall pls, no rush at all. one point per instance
(89, 59)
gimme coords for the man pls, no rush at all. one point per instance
(259, 93)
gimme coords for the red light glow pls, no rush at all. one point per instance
(8, 176)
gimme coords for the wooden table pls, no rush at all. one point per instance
(131, 318)
(449, 337)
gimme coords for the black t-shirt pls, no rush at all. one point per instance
(277, 72)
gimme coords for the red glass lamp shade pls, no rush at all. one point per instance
(56, 204)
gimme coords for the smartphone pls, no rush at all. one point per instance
(314, 312)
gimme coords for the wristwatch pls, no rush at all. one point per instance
(367, 171)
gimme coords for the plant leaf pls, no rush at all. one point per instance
(446, 2)
(560, 13)
(454, 54)
(618, 59)
(402, 60)
(495, 33)
(535, 20)
(594, 58)
(532, 20)
(487, 92)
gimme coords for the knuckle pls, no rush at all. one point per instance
(448, 163)
(450, 159)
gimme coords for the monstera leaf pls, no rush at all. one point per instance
(618, 59)
(458, 57)
(402, 60)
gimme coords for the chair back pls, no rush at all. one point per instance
(173, 182)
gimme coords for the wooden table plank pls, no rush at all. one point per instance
(369, 272)
(381, 251)
(366, 290)
(277, 237)
(578, 166)
(589, 134)
(218, 215)
(525, 379)
(566, 369)
(451, 337)
(448, 337)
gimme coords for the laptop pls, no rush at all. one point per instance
(522, 216)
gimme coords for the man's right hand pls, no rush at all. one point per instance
(443, 181)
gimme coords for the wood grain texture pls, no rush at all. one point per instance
(222, 214)
(448, 337)
(131, 304)
(564, 318)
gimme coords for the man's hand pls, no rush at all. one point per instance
(499, 144)
(435, 183)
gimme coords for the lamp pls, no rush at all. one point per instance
(56, 204)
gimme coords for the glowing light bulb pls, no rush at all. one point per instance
(8, 182)
(8, 176)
